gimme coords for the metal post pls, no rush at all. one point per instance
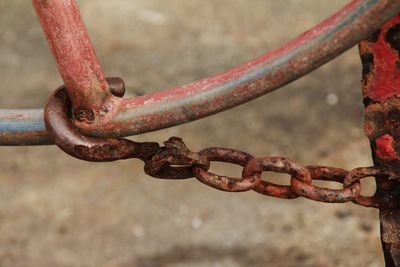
(381, 91)
(75, 56)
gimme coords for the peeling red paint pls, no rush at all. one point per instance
(384, 81)
(384, 148)
(381, 88)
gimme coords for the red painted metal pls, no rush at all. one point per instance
(250, 80)
(75, 56)
(380, 56)
(383, 52)
(381, 90)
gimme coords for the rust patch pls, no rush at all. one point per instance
(392, 37)
(367, 60)
(373, 38)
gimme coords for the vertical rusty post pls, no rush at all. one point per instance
(75, 56)
(380, 55)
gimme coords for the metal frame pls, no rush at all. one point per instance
(99, 110)
(179, 105)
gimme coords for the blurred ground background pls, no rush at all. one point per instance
(58, 211)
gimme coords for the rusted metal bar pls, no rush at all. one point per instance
(241, 84)
(380, 55)
(75, 56)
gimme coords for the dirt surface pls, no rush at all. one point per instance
(58, 211)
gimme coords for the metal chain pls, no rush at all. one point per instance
(175, 161)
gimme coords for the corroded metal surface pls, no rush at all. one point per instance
(88, 107)
(380, 55)
(225, 183)
(211, 95)
(175, 161)
(70, 140)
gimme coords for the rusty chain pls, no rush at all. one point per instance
(175, 161)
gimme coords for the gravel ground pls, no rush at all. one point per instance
(58, 211)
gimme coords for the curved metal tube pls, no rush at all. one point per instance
(97, 149)
(300, 56)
